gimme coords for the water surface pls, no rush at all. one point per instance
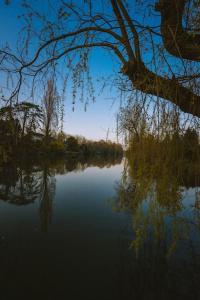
(63, 236)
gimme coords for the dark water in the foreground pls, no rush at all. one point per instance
(61, 237)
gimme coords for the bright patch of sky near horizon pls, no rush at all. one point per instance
(99, 120)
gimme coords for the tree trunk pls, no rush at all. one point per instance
(177, 41)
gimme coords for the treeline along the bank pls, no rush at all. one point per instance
(22, 133)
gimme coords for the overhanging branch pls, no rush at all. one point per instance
(177, 41)
(168, 89)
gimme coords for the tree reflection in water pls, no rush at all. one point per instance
(159, 188)
(46, 196)
(25, 183)
(17, 185)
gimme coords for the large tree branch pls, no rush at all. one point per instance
(120, 20)
(177, 41)
(133, 30)
(45, 63)
(68, 35)
(84, 46)
(141, 77)
(169, 89)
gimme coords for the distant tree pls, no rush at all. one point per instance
(29, 115)
(133, 120)
(191, 137)
(191, 144)
(50, 105)
(61, 137)
(20, 119)
(72, 144)
(10, 129)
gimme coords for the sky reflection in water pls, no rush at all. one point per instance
(71, 241)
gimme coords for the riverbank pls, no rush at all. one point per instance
(28, 148)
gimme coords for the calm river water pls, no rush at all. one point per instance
(63, 235)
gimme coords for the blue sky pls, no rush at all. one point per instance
(99, 120)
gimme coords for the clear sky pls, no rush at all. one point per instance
(99, 120)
